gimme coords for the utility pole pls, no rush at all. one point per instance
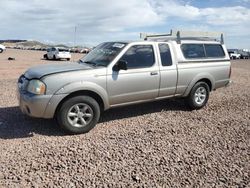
(74, 41)
(75, 37)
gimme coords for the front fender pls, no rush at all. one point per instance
(87, 86)
(197, 78)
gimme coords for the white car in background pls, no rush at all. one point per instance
(57, 53)
(234, 54)
(2, 48)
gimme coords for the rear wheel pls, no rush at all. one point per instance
(78, 114)
(198, 95)
(1, 50)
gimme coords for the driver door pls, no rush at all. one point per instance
(141, 79)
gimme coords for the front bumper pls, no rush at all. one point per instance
(33, 105)
(41, 106)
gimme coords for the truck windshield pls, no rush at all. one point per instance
(103, 54)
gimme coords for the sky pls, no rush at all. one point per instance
(96, 21)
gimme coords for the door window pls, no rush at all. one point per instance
(139, 56)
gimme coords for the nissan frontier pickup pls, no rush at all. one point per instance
(121, 73)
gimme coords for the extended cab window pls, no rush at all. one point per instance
(166, 59)
(193, 50)
(202, 50)
(214, 50)
(139, 56)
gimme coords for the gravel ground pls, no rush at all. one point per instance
(159, 144)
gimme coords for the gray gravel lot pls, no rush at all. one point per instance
(159, 144)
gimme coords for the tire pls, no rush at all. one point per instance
(1, 50)
(68, 59)
(198, 96)
(78, 114)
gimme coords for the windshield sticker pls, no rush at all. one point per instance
(118, 45)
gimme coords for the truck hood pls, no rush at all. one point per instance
(43, 70)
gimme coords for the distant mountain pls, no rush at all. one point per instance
(36, 45)
(26, 45)
(12, 41)
(32, 44)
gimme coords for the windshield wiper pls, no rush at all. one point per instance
(79, 61)
(93, 63)
(88, 62)
(100, 65)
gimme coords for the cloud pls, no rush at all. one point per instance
(171, 8)
(226, 15)
(215, 16)
(245, 1)
(99, 20)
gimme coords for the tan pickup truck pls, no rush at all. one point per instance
(119, 73)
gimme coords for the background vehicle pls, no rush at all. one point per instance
(85, 50)
(122, 73)
(234, 54)
(57, 53)
(2, 48)
(244, 54)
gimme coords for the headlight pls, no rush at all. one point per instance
(36, 87)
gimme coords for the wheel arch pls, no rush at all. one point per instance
(208, 79)
(89, 93)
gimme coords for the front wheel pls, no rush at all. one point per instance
(78, 114)
(198, 96)
(1, 50)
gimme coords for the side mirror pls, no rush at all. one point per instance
(120, 65)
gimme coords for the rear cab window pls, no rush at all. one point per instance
(193, 51)
(166, 59)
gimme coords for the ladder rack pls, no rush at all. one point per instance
(184, 35)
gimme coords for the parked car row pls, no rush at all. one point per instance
(80, 50)
(72, 50)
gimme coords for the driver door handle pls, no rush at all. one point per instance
(154, 73)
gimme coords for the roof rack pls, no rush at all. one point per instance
(184, 35)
